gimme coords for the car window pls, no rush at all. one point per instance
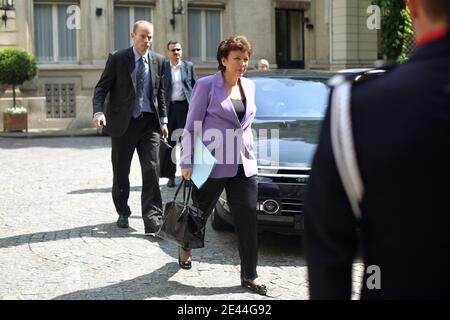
(290, 98)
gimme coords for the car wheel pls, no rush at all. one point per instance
(218, 223)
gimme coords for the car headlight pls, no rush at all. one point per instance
(270, 206)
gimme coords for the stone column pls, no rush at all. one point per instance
(259, 28)
(8, 30)
(352, 43)
(96, 34)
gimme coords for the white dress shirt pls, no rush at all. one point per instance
(163, 120)
(177, 84)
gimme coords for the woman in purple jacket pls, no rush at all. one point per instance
(223, 106)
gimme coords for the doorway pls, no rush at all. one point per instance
(290, 38)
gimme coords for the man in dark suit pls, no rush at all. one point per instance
(179, 81)
(400, 125)
(135, 117)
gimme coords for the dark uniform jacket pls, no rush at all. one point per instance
(118, 82)
(188, 78)
(401, 129)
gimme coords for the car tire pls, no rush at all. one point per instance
(218, 223)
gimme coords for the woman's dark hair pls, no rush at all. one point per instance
(231, 44)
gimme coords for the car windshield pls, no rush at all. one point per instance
(290, 98)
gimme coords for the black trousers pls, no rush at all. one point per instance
(178, 111)
(242, 196)
(143, 135)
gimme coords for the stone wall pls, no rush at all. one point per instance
(338, 39)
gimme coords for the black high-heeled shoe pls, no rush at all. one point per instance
(256, 288)
(184, 264)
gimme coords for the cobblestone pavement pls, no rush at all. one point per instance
(58, 238)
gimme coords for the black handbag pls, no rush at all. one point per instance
(183, 224)
(166, 168)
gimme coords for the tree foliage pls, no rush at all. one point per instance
(396, 29)
(16, 66)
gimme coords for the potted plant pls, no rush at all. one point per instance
(15, 119)
(16, 66)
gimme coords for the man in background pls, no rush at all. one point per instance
(262, 64)
(179, 80)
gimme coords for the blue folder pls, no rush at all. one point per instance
(204, 163)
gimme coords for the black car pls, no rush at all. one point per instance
(290, 105)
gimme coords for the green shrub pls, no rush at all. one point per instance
(16, 66)
(396, 29)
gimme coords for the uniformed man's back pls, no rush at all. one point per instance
(401, 132)
(402, 139)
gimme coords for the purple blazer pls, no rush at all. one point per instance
(211, 107)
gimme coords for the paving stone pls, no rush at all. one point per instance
(58, 238)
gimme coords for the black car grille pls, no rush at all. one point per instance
(286, 187)
(303, 181)
(293, 171)
(291, 207)
(286, 207)
(295, 176)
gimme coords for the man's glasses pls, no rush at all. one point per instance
(174, 50)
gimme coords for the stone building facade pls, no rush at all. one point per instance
(71, 40)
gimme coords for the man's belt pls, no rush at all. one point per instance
(178, 101)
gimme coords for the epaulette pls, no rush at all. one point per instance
(337, 80)
(385, 65)
(341, 129)
(361, 75)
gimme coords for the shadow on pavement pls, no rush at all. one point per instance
(220, 247)
(148, 286)
(107, 230)
(53, 143)
(102, 190)
(170, 191)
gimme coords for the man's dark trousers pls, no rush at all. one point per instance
(177, 120)
(142, 135)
